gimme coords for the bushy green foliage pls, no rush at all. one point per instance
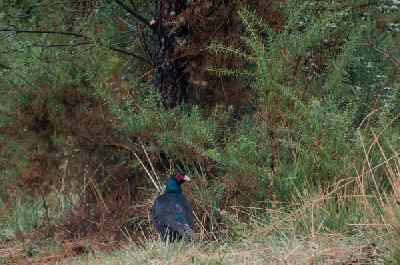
(311, 109)
(302, 131)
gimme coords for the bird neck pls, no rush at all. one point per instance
(173, 187)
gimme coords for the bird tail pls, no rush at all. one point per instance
(189, 235)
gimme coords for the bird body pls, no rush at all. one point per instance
(172, 212)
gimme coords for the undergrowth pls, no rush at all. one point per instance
(321, 228)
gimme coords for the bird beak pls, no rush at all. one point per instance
(186, 178)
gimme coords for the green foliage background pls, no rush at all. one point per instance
(317, 85)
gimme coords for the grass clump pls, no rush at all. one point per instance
(23, 218)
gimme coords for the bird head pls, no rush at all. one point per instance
(174, 182)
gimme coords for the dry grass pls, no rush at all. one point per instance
(280, 241)
(322, 250)
(300, 236)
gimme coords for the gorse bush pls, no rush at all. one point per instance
(301, 131)
(311, 116)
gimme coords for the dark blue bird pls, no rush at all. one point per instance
(172, 212)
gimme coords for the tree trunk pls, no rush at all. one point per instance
(171, 79)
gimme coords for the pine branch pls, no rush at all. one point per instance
(128, 52)
(385, 53)
(222, 22)
(44, 32)
(134, 13)
(62, 45)
(112, 47)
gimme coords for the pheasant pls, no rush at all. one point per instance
(172, 212)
